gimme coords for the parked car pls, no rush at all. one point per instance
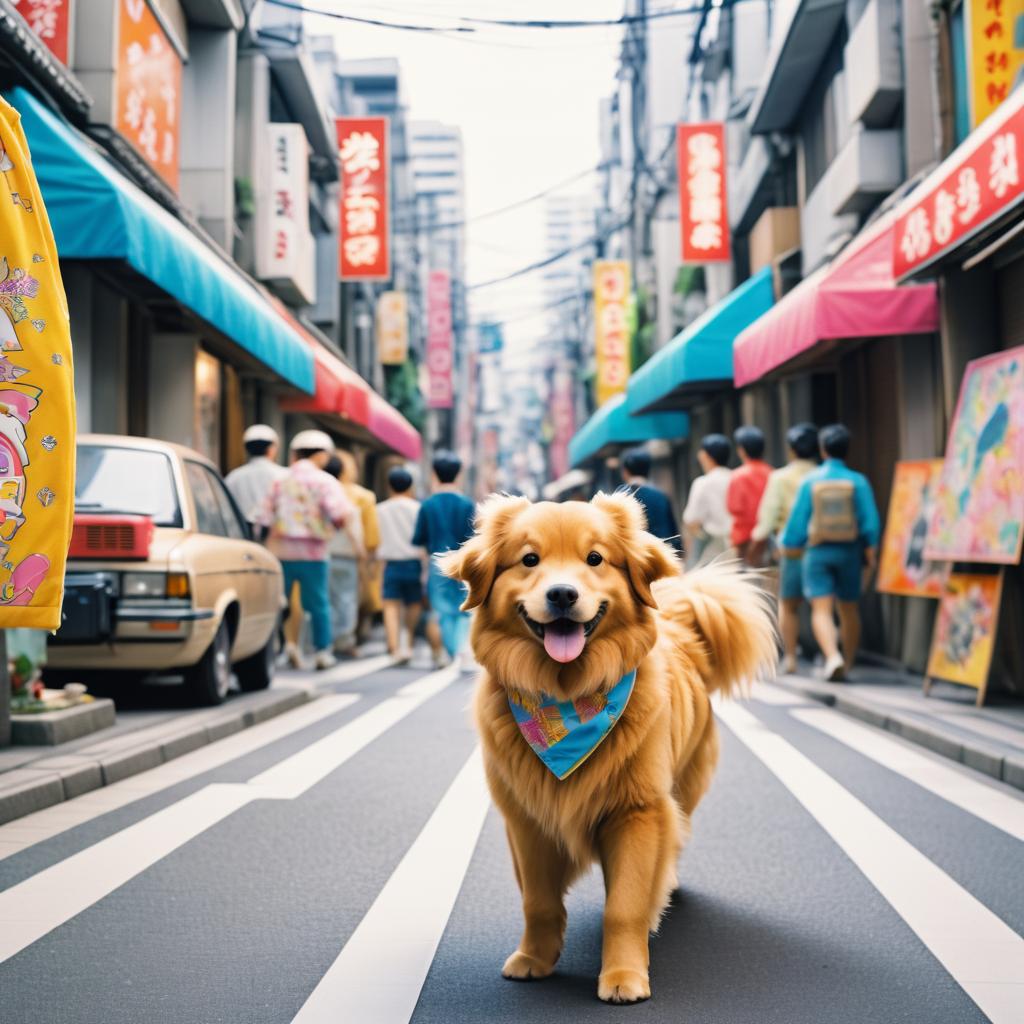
(162, 575)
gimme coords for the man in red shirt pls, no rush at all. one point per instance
(746, 487)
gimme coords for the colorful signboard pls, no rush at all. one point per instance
(392, 328)
(148, 88)
(703, 215)
(611, 327)
(439, 340)
(902, 567)
(51, 21)
(365, 249)
(979, 182)
(563, 422)
(978, 511)
(995, 52)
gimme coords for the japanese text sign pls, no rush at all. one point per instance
(703, 215)
(51, 21)
(993, 57)
(148, 88)
(611, 326)
(439, 340)
(392, 328)
(980, 181)
(365, 180)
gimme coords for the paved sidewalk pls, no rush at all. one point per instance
(989, 739)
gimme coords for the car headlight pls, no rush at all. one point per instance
(143, 584)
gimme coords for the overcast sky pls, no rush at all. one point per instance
(527, 103)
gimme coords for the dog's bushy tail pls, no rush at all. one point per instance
(729, 623)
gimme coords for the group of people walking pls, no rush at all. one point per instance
(347, 555)
(817, 523)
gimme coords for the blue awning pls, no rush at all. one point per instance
(699, 358)
(612, 425)
(97, 213)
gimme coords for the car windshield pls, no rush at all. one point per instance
(130, 480)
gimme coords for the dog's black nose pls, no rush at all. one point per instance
(562, 596)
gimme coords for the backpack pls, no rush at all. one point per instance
(833, 513)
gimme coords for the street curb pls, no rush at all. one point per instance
(983, 757)
(52, 780)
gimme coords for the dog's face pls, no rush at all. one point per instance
(562, 592)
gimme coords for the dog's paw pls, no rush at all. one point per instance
(623, 986)
(520, 967)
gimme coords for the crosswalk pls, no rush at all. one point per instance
(413, 745)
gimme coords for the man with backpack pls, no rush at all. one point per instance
(836, 520)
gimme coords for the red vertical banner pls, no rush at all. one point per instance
(50, 20)
(365, 244)
(703, 214)
(439, 340)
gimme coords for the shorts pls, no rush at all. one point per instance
(833, 570)
(791, 578)
(403, 581)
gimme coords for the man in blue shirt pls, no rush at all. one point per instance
(661, 521)
(445, 521)
(835, 518)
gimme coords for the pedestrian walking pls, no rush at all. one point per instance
(369, 568)
(706, 516)
(249, 484)
(300, 513)
(345, 549)
(772, 515)
(661, 520)
(746, 487)
(835, 518)
(445, 521)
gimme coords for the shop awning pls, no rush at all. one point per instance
(612, 426)
(97, 213)
(387, 424)
(699, 358)
(339, 390)
(855, 296)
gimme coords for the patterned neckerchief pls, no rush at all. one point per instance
(563, 734)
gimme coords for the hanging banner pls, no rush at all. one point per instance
(37, 398)
(563, 422)
(994, 52)
(703, 216)
(611, 327)
(439, 340)
(51, 21)
(392, 328)
(148, 88)
(364, 253)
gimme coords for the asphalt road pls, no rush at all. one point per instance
(342, 864)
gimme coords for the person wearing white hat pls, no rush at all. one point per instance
(249, 484)
(301, 512)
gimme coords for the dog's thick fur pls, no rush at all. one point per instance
(629, 805)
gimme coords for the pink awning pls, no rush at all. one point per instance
(855, 296)
(388, 425)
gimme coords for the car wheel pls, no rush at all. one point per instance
(256, 671)
(209, 679)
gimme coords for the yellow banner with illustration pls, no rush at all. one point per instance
(37, 398)
(611, 327)
(995, 52)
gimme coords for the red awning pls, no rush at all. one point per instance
(391, 427)
(855, 296)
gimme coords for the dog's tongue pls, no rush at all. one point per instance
(564, 639)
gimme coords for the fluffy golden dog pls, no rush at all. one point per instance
(569, 599)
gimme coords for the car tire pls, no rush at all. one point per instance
(257, 671)
(208, 681)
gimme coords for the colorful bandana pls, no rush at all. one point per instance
(563, 734)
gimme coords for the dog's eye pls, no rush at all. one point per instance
(594, 558)
(531, 559)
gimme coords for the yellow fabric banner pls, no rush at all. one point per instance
(611, 327)
(37, 397)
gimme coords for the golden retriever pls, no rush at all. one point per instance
(569, 599)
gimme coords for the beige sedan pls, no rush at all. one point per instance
(162, 575)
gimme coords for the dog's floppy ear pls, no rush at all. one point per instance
(647, 558)
(476, 562)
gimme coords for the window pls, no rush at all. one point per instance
(234, 525)
(825, 123)
(208, 514)
(127, 480)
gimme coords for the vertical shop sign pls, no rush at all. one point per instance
(365, 180)
(703, 215)
(148, 88)
(392, 328)
(51, 21)
(612, 341)
(563, 423)
(439, 340)
(995, 46)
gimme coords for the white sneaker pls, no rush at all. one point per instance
(789, 665)
(441, 659)
(324, 660)
(294, 655)
(835, 669)
(402, 656)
